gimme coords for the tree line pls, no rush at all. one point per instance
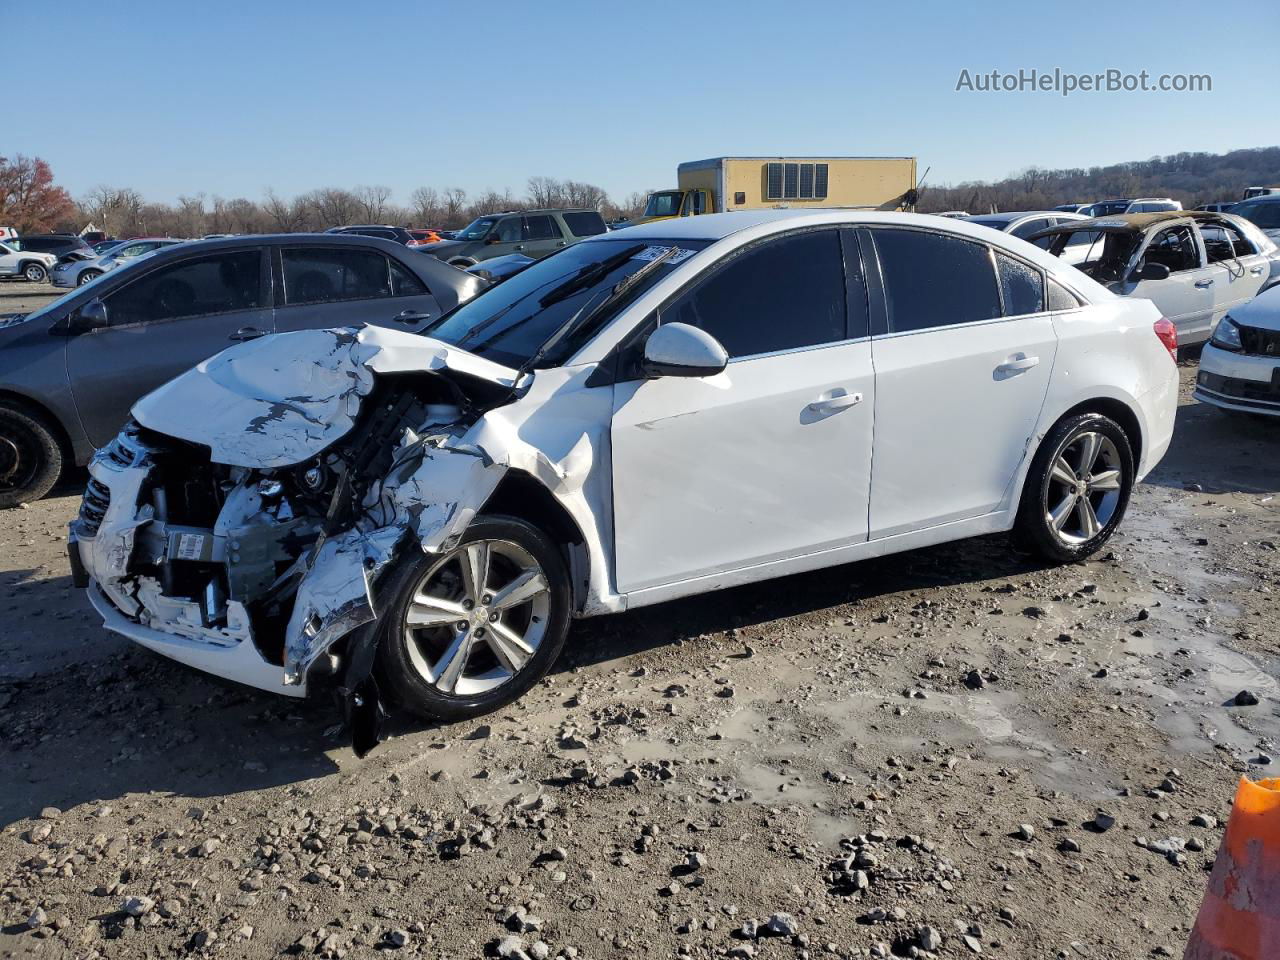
(1192, 178)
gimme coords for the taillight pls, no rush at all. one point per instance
(1168, 335)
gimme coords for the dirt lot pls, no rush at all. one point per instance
(905, 753)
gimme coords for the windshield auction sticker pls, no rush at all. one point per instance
(653, 253)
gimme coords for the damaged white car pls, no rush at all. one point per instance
(687, 406)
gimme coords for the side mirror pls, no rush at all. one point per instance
(679, 350)
(1150, 271)
(90, 317)
(493, 238)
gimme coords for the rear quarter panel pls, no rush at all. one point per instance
(1109, 350)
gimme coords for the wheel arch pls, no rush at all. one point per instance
(462, 262)
(23, 264)
(1117, 410)
(521, 495)
(20, 401)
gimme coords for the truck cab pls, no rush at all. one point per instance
(665, 204)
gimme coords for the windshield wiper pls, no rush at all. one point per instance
(588, 275)
(618, 289)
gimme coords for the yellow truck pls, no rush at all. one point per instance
(753, 183)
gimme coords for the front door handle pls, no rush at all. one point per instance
(518, 246)
(1018, 363)
(1204, 283)
(247, 333)
(832, 404)
(1256, 271)
(410, 316)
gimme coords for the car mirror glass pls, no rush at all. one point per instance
(680, 350)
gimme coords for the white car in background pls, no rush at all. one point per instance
(1240, 366)
(75, 272)
(667, 410)
(1025, 223)
(31, 265)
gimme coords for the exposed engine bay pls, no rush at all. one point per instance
(248, 541)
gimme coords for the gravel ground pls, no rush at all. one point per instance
(946, 753)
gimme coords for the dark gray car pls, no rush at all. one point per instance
(70, 372)
(534, 233)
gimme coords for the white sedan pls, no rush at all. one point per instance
(1240, 366)
(679, 407)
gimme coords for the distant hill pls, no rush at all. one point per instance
(1193, 178)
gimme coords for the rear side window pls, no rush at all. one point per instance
(782, 295)
(1060, 298)
(932, 280)
(329, 275)
(220, 283)
(1029, 227)
(1021, 285)
(585, 224)
(405, 283)
(540, 227)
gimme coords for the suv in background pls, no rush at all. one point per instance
(534, 233)
(1114, 208)
(59, 244)
(28, 264)
(385, 231)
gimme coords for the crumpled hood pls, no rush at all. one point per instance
(283, 399)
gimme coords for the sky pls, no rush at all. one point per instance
(230, 98)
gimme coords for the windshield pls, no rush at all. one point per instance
(663, 204)
(1262, 213)
(476, 230)
(508, 323)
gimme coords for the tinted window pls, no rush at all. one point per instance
(404, 283)
(1060, 298)
(325, 275)
(933, 280)
(510, 229)
(215, 284)
(541, 227)
(584, 224)
(786, 293)
(1263, 213)
(1031, 226)
(1021, 285)
(375, 232)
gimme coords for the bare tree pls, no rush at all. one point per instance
(373, 202)
(284, 216)
(427, 209)
(455, 202)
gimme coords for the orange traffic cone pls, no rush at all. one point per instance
(1240, 916)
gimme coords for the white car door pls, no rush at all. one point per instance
(960, 379)
(1240, 269)
(770, 458)
(1186, 295)
(8, 261)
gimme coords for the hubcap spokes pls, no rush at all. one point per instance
(476, 617)
(1084, 488)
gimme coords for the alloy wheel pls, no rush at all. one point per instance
(476, 617)
(1084, 488)
(35, 273)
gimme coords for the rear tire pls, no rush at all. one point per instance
(505, 644)
(35, 273)
(1077, 489)
(30, 457)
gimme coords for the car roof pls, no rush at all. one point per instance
(1009, 216)
(1262, 198)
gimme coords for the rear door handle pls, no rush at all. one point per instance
(410, 316)
(1015, 365)
(1204, 283)
(247, 333)
(832, 404)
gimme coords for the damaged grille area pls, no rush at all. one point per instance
(93, 508)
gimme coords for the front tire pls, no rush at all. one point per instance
(35, 273)
(30, 457)
(468, 631)
(1077, 489)
(87, 276)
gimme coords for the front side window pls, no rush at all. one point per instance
(785, 294)
(135, 250)
(541, 227)
(1175, 247)
(510, 229)
(219, 283)
(932, 280)
(1028, 227)
(332, 274)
